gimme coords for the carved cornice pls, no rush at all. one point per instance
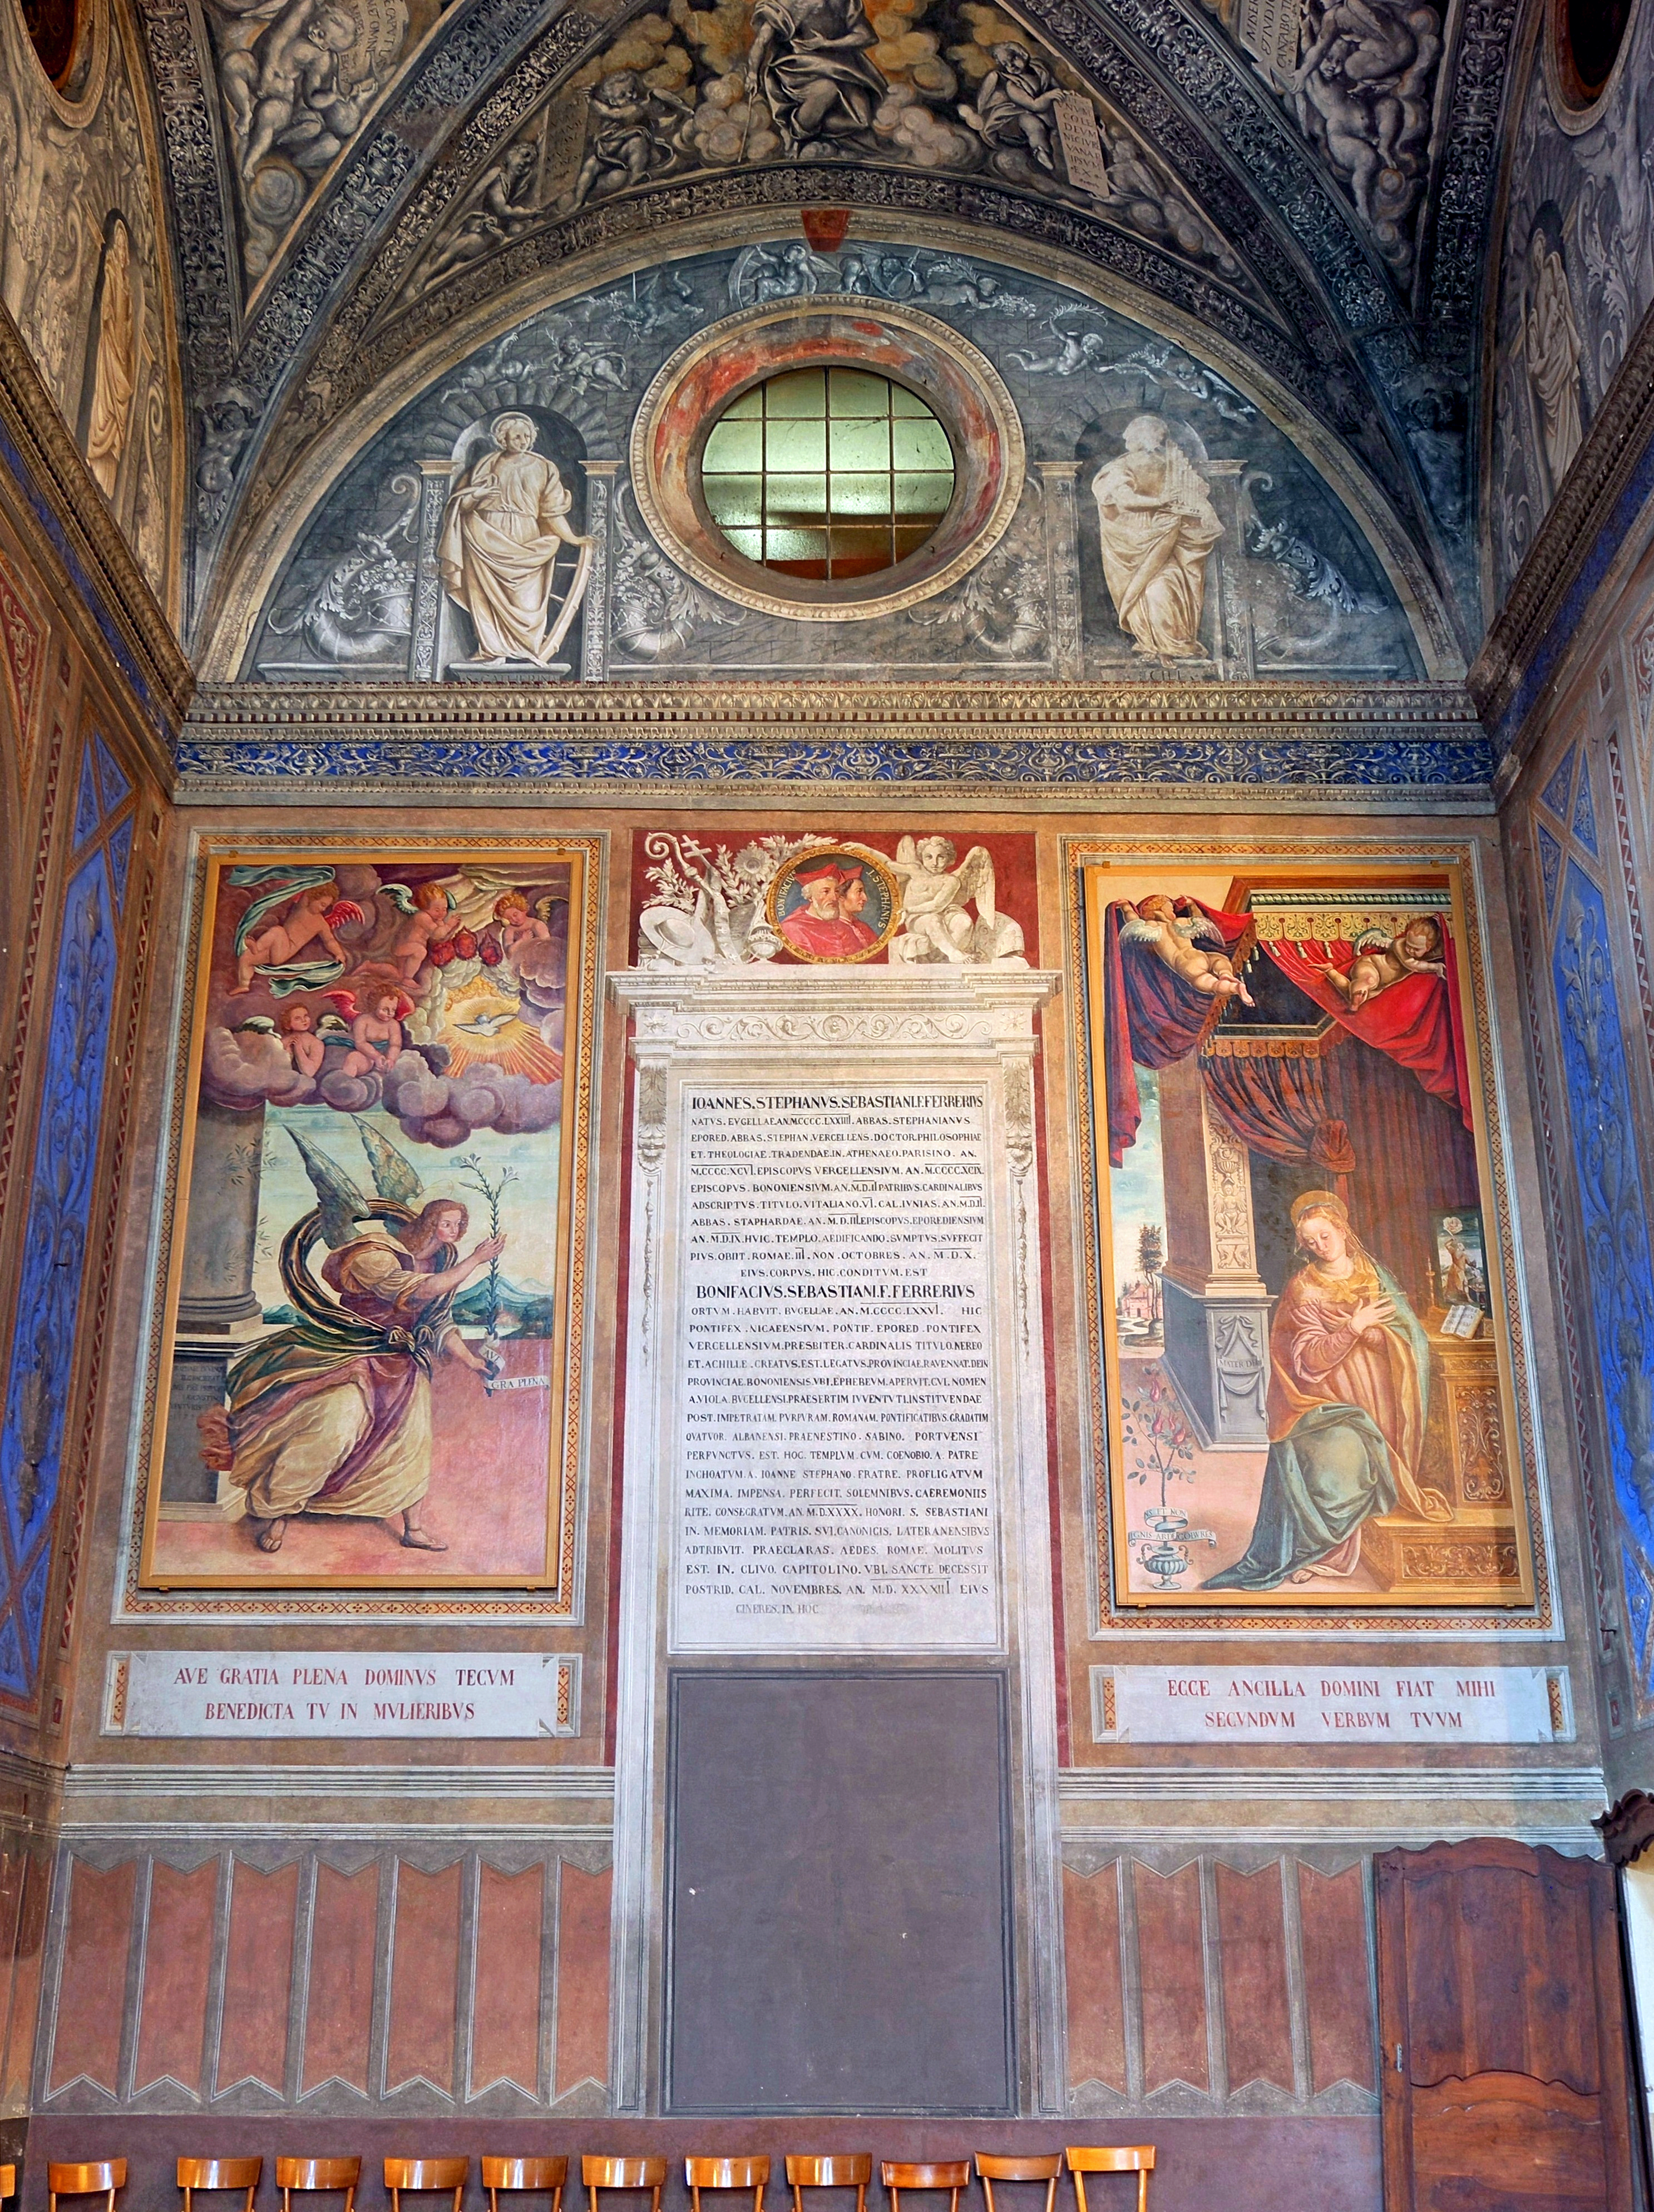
(1267, 742)
(1592, 516)
(76, 535)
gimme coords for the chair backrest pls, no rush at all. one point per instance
(525, 2173)
(318, 2173)
(845, 2170)
(1112, 2158)
(86, 2179)
(426, 2172)
(1018, 2169)
(726, 2173)
(219, 2172)
(623, 2173)
(946, 2174)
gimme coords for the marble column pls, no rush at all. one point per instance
(218, 1309)
(1216, 1304)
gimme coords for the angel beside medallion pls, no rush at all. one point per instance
(823, 901)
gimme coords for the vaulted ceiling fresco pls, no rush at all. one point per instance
(1295, 196)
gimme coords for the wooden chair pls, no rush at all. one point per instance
(751, 2173)
(991, 2169)
(545, 2175)
(304, 2174)
(101, 2178)
(952, 2175)
(195, 2174)
(849, 2169)
(441, 2174)
(1118, 2158)
(648, 2173)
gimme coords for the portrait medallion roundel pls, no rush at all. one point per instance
(834, 903)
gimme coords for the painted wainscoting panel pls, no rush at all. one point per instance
(338, 1978)
(1200, 1986)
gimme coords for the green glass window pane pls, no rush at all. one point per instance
(796, 500)
(796, 552)
(823, 473)
(918, 493)
(793, 446)
(732, 447)
(919, 445)
(799, 391)
(855, 392)
(733, 501)
(859, 552)
(859, 444)
(861, 495)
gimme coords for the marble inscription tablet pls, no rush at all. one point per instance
(835, 1422)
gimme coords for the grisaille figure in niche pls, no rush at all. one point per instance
(1550, 335)
(114, 376)
(504, 530)
(1158, 529)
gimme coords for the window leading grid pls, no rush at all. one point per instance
(827, 473)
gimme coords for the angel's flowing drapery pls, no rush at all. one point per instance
(504, 528)
(1158, 529)
(334, 1416)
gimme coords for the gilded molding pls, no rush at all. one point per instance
(76, 535)
(1591, 519)
(1273, 744)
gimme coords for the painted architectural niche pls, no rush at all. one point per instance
(1309, 1385)
(372, 1324)
(510, 525)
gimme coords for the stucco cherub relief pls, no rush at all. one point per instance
(937, 85)
(296, 78)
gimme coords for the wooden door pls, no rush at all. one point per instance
(1502, 2021)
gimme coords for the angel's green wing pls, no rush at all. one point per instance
(340, 1203)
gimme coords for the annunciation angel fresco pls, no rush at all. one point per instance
(1307, 1370)
(364, 1377)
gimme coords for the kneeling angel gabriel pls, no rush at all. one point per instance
(333, 1414)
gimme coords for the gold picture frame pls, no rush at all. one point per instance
(491, 992)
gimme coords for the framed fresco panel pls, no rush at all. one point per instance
(367, 1371)
(1305, 1377)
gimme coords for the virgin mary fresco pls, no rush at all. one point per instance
(1349, 1378)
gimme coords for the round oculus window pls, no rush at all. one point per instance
(827, 474)
(827, 461)
(1588, 35)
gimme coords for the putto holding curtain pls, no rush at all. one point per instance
(1349, 1383)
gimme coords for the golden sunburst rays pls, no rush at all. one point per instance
(481, 1026)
